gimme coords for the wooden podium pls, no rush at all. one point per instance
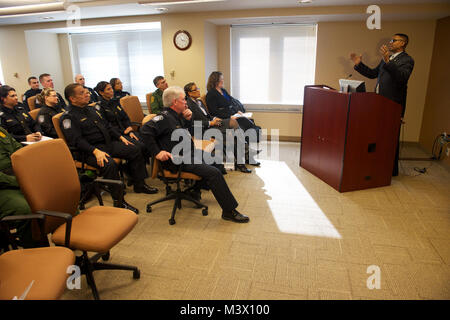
(349, 139)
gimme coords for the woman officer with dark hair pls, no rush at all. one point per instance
(15, 119)
(112, 111)
(117, 86)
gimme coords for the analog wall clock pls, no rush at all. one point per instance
(182, 40)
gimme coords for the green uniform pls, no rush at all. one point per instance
(12, 201)
(157, 102)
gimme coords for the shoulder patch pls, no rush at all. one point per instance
(97, 107)
(67, 124)
(1, 113)
(41, 118)
(157, 118)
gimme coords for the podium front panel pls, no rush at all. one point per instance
(323, 133)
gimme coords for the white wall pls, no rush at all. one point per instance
(44, 56)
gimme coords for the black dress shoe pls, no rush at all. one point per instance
(235, 216)
(243, 168)
(145, 189)
(126, 205)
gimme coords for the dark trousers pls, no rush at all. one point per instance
(117, 149)
(246, 124)
(213, 178)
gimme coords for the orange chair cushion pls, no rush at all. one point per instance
(184, 175)
(97, 229)
(46, 266)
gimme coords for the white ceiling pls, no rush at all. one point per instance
(114, 8)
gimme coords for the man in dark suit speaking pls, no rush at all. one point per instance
(392, 74)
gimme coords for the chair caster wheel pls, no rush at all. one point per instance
(106, 256)
(136, 274)
(149, 209)
(205, 212)
(171, 221)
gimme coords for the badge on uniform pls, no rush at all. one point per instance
(67, 124)
(157, 118)
(97, 107)
(153, 99)
(41, 118)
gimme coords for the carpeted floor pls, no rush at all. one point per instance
(304, 241)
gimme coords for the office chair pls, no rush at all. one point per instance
(178, 194)
(34, 113)
(52, 188)
(34, 274)
(31, 101)
(94, 186)
(148, 98)
(133, 108)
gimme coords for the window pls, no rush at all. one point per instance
(271, 64)
(135, 57)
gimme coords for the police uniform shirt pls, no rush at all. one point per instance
(84, 128)
(112, 111)
(61, 102)
(157, 132)
(18, 122)
(120, 94)
(44, 119)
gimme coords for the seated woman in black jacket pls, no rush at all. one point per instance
(117, 86)
(111, 110)
(49, 102)
(224, 106)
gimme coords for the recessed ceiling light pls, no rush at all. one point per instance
(46, 18)
(304, 1)
(162, 9)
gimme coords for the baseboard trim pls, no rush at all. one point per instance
(286, 138)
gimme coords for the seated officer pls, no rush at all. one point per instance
(157, 133)
(34, 90)
(79, 78)
(12, 201)
(90, 134)
(112, 111)
(47, 82)
(117, 86)
(15, 119)
(48, 100)
(156, 103)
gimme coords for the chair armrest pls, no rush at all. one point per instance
(22, 217)
(39, 217)
(66, 216)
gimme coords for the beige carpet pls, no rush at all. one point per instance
(304, 241)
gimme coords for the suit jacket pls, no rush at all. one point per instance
(392, 77)
(197, 113)
(218, 105)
